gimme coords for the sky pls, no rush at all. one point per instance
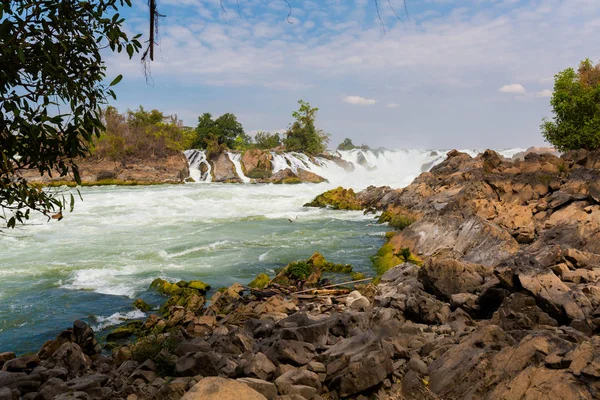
(436, 74)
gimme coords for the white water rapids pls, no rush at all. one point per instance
(92, 264)
(395, 168)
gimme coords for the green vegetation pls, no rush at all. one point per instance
(302, 135)
(299, 270)
(338, 199)
(142, 305)
(266, 140)
(158, 348)
(397, 218)
(52, 62)
(346, 145)
(260, 282)
(576, 106)
(140, 134)
(220, 134)
(387, 257)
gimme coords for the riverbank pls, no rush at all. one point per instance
(504, 304)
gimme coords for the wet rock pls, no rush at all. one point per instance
(214, 388)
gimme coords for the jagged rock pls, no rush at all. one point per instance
(204, 364)
(21, 364)
(267, 389)
(256, 365)
(445, 277)
(71, 357)
(357, 363)
(297, 381)
(520, 312)
(291, 351)
(223, 169)
(215, 388)
(357, 301)
(305, 328)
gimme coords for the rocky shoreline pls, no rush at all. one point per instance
(489, 289)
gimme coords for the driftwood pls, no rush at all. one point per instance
(330, 286)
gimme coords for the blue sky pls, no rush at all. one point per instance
(451, 74)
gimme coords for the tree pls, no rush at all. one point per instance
(51, 90)
(224, 130)
(346, 145)
(302, 135)
(140, 134)
(576, 106)
(266, 140)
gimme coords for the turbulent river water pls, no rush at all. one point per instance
(99, 258)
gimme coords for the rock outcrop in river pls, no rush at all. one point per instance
(505, 304)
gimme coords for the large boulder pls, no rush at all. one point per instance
(357, 363)
(214, 388)
(223, 169)
(445, 277)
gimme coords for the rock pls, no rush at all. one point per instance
(214, 388)
(309, 177)
(223, 169)
(417, 365)
(73, 396)
(256, 365)
(357, 363)
(267, 389)
(21, 364)
(338, 199)
(357, 301)
(6, 356)
(520, 312)
(52, 388)
(142, 305)
(297, 377)
(291, 351)
(192, 364)
(445, 277)
(260, 282)
(84, 336)
(257, 164)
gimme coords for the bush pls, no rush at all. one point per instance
(576, 106)
(299, 270)
(302, 135)
(266, 140)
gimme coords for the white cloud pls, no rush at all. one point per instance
(544, 93)
(359, 100)
(514, 88)
(392, 105)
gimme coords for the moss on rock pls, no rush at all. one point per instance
(338, 199)
(165, 287)
(199, 286)
(142, 305)
(123, 332)
(397, 218)
(388, 257)
(260, 282)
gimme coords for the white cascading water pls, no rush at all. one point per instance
(395, 168)
(235, 159)
(197, 158)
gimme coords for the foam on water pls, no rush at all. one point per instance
(116, 319)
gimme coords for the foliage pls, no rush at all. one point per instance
(266, 140)
(260, 282)
(140, 134)
(51, 90)
(299, 270)
(397, 218)
(242, 142)
(576, 106)
(302, 135)
(158, 348)
(346, 145)
(220, 133)
(338, 199)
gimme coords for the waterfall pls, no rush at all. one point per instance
(349, 168)
(197, 159)
(235, 159)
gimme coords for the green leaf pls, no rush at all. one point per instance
(116, 80)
